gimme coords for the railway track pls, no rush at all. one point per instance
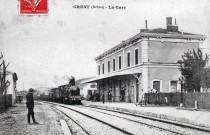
(85, 130)
(167, 128)
(160, 126)
(112, 126)
(154, 124)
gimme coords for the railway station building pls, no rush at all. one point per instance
(147, 61)
(86, 89)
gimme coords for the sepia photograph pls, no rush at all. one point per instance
(104, 67)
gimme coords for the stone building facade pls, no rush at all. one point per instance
(144, 62)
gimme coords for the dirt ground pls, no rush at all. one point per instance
(14, 121)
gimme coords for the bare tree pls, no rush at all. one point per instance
(3, 73)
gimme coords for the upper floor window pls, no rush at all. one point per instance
(99, 70)
(108, 66)
(120, 62)
(92, 86)
(113, 64)
(136, 56)
(103, 68)
(128, 59)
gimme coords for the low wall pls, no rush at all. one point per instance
(174, 99)
(8, 101)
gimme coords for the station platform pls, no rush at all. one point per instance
(14, 120)
(199, 118)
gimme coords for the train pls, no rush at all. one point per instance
(67, 94)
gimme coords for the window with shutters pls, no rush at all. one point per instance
(120, 62)
(128, 59)
(136, 57)
(113, 64)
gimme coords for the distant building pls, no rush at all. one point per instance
(20, 96)
(21, 93)
(86, 88)
(144, 62)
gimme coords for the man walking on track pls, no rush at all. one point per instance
(30, 106)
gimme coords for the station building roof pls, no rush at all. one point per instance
(145, 33)
(124, 72)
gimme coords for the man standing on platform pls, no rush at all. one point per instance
(103, 98)
(30, 106)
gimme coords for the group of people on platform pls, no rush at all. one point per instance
(109, 94)
(96, 96)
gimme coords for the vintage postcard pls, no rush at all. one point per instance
(104, 67)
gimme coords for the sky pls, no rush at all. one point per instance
(45, 50)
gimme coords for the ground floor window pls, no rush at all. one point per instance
(89, 92)
(157, 85)
(173, 86)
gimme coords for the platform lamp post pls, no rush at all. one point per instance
(181, 92)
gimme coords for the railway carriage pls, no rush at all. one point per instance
(54, 95)
(63, 93)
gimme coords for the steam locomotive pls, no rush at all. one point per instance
(67, 94)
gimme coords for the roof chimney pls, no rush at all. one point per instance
(146, 24)
(168, 21)
(146, 28)
(170, 27)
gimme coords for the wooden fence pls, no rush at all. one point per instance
(8, 101)
(190, 100)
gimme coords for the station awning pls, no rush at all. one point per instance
(118, 73)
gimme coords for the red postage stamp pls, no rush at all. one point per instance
(33, 7)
